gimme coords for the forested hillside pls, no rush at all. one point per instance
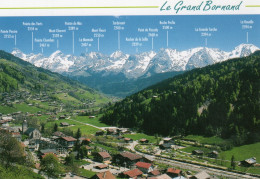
(218, 100)
(18, 75)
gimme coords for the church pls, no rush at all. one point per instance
(32, 133)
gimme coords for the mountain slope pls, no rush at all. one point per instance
(19, 75)
(221, 99)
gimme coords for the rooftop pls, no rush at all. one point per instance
(202, 175)
(163, 176)
(45, 151)
(143, 140)
(127, 139)
(105, 175)
(173, 170)
(58, 133)
(69, 139)
(143, 165)
(155, 172)
(251, 160)
(133, 173)
(130, 156)
(104, 154)
(102, 166)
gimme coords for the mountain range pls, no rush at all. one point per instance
(90, 67)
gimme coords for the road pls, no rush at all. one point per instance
(193, 167)
(87, 124)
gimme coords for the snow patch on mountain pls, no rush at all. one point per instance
(137, 65)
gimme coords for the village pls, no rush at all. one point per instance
(103, 152)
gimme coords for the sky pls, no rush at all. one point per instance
(182, 35)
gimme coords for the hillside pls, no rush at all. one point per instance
(217, 100)
(17, 75)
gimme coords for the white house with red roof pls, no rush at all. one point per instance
(172, 172)
(144, 167)
(67, 142)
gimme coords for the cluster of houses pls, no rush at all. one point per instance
(18, 97)
(33, 134)
(22, 96)
(14, 97)
(140, 167)
(212, 154)
(115, 132)
(62, 144)
(58, 142)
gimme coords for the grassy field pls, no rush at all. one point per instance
(191, 148)
(44, 105)
(65, 98)
(205, 140)
(48, 124)
(139, 136)
(81, 162)
(243, 152)
(255, 170)
(85, 130)
(19, 107)
(94, 121)
(86, 173)
(100, 98)
(18, 172)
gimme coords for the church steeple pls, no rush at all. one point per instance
(24, 126)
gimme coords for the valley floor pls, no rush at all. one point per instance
(179, 154)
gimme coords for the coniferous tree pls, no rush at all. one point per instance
(78, 134)
(55, 128)
(233, 162)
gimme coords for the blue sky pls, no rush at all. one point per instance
(182, 36)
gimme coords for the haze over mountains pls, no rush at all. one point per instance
(120, 68)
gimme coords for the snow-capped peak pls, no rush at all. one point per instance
(152, 54)
(246, 46)
(116, 54)
(95, 54)
(56, 53)
(243, 50)
(137, 65)
(18, 53)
